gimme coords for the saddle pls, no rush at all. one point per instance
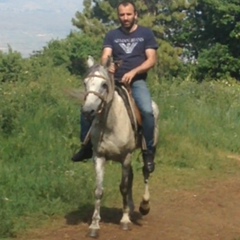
(132, 109)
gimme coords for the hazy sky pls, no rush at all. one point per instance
(27, 25)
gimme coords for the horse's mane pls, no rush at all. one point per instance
(94, 68)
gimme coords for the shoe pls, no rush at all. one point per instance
(148, 160)
(84, 153)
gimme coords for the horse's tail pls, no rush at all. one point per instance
(156, 114)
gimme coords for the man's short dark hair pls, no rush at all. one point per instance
(125, 3)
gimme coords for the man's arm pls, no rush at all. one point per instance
(107, 52)
(149, 63)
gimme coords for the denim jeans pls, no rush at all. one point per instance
(143, 100)
(85, 125)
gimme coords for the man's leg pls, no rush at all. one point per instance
(86, 150)
(143, 100)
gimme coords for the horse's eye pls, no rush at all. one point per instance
(104, 85)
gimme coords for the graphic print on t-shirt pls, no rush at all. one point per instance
(128, 44)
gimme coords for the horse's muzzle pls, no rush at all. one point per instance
(88, 113)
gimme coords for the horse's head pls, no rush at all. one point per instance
(99, 87)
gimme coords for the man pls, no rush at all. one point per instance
(136, 47)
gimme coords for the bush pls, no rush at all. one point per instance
(217, 63)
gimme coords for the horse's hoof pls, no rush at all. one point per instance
(126, 226)
(144, 211)
(94, 233)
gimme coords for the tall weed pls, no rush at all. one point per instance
(199, 119)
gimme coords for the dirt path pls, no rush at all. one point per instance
(209, 213)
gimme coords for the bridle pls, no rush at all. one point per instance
(102, 97)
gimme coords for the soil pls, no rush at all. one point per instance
(209, 212)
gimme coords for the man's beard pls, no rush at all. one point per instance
(129, 27)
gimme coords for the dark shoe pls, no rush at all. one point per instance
(84, 153)
(148, 160)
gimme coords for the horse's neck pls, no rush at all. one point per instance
(113, 129)
(117, 112)
(115, 115)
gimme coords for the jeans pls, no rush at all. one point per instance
(85, 125)
(143, 100)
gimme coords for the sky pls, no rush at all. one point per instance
(28, 25)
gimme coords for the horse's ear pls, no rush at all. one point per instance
(90, 61)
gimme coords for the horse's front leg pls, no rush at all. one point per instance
(99, 168)
(126, 191)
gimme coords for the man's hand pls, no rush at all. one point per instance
(128, 77)
(112, 68)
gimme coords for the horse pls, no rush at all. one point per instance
(113, 138)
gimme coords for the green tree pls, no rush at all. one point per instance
(83, 45)
(211, 35)
(217, 63)
(70, 53)
(12, 66)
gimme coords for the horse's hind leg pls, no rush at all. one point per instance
(126, 191)
(144, 207)
(99, 168)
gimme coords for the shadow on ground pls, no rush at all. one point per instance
(108, 215)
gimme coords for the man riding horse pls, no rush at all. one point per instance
(136, 47)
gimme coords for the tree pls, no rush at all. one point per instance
(12, 66)
(219, 38)
(217, 63)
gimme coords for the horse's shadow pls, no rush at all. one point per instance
(108, 215)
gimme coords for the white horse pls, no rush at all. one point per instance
(113, 138)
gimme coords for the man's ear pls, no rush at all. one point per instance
(90, 61)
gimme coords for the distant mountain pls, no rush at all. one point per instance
(28, 25)
(33, 5)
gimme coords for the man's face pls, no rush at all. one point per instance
(127, 16)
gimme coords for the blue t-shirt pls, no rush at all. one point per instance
(130, 48)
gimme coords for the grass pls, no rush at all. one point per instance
(199, 128)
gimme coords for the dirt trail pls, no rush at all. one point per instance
(209, 213)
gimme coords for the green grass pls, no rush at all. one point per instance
(199, 128)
